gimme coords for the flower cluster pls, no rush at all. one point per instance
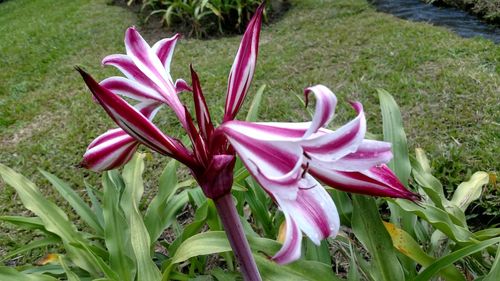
(287, 159)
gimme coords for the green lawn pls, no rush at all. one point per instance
(447, 86)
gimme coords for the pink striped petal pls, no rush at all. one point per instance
(290, 251)
(202, 113)
(182, 86)
(136, 124)
(147, 61)
(325, 107)
(313, 210)
(334, 145)
(130, 88)
(109, 151)
(275, 165)
(164, 49)
(369, 154)
(377, 181)
(127, 66)
(243, 67)
(271, 131)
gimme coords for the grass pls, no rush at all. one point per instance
(447, 86)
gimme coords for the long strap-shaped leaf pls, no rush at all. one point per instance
(400, 163)
(216, 242)
(453, 257)
(368, 228)
(76, 202)
(139, 236)
(9, 273)
(54, 218)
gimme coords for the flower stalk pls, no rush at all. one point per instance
(236, 236)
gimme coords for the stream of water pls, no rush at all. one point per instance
(461, 22)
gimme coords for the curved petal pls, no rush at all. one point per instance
(334, 145)
(109, 151)
(148, 62)
(378, 181)
(243, 67)
(275, 165)
(325, 107)
(313, 210)
(202, 113)
(181, 86)
(274, 131)
(164, 49)
(135, 123)
(369, 153)
(290, 251)
(130, 88)
(127, 66)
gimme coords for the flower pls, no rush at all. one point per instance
(285, 158)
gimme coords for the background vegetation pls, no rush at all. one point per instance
(489, 10)
(447, 86)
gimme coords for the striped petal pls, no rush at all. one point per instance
(109, 151)
(146, 59)
(135, 123)
(333, 145)
(271, 131)
(369, 154)
(164, 49)
(290, 251)
(243, 67)
(202, 113)
(182, 86)
(325, 107)
(377, 181)
(127, 66)
(275, 165)
(150, 65)
(130, 88)
(313, 210)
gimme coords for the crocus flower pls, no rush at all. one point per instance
(287, 159)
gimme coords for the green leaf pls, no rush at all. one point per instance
(51, 240)
(54, 219)
(405, 244)
(139, 236)
(395, 134)
(438, 218)
(368, 228)
(495, 268)
(75, 201)
(487, 233)
(299, 270)
(469, 191)
(344, 205)
(116, 231)
(205, 243)
(31, 223)
(319, 253)
(253, 111)
(449, 259)
(221, 275)
(431, 185)
(216, 242)
(70, 275)
(165, 206)
(9, 273)
(400, 164)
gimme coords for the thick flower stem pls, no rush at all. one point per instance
(234, 231)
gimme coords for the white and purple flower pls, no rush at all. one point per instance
(287, 159)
